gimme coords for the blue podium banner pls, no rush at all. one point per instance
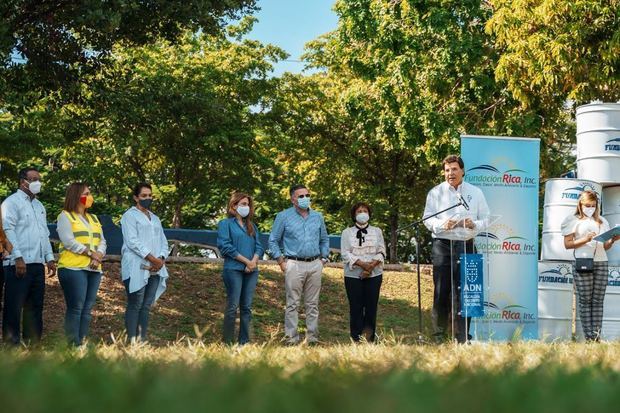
(507, 172)
(472, 285)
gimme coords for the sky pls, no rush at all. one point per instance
(290, 24)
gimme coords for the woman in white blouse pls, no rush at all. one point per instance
(144, 253)
(579, 231)
(363, 252)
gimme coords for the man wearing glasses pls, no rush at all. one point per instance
(25, 224)
(300, 244)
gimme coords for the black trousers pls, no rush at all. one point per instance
(447, 280)
(23, 294)
(363, 295)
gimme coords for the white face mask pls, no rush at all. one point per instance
(362, 218)
(589, 211)
(243, 210)
(34, 187)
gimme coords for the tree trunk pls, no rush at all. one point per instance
(393, 236)
(176, 223)
(393, 199)
(176, 218)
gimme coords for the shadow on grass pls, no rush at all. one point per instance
(195, 299)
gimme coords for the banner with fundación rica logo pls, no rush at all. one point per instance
(507, 172)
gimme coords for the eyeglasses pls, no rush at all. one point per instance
(303, 196)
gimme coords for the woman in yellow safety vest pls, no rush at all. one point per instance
(81, 250)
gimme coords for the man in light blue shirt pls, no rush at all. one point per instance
(25, 224)
(300, 244)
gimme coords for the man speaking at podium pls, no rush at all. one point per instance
(470, 212)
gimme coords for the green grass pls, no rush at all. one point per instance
(194, 302)
(185, 368)
(193, 376)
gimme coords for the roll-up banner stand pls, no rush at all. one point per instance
(507, 171)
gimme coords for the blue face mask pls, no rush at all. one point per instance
(303, 203)
(243, 210)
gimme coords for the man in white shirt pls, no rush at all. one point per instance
(472, 213)
(25, 224)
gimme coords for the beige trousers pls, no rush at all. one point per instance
(302, 279)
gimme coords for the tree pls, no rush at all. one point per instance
(52, 44)
(182, 116)
(399, 82)
(558, 50)
(50, 48)
(403, 79)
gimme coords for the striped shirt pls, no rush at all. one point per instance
(25, 226)
(296, 236)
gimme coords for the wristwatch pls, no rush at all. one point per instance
(89, 253)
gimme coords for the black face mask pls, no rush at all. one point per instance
(145, 203)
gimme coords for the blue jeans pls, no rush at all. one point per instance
(139, 307)
(240, 288)
(80, 288)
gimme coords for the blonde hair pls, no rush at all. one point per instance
(588, 196)
(235, 198)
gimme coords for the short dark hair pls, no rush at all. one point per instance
(139, 186)
(295, 188)
(73, 195)
(23, 173)
(452, 159)
(356, 206)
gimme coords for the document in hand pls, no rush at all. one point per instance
(608, 234)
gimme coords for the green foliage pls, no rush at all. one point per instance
(401, 81)
(120, 91)
(57, 43)
(54, 59)
(554, 50)
(179, 116)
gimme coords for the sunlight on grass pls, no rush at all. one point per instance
(362, 358)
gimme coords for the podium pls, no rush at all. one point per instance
(469, 268)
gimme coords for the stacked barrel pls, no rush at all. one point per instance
(598, 169)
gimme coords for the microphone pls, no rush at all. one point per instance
(462, 201)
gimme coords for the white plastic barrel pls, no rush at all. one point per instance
(553, 247)
(598, 142)
(561, 197)
(565, 191)
(598, 117)
(554, 215)
(555, 300)
(611, 200)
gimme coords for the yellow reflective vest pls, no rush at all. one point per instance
(90, 237)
